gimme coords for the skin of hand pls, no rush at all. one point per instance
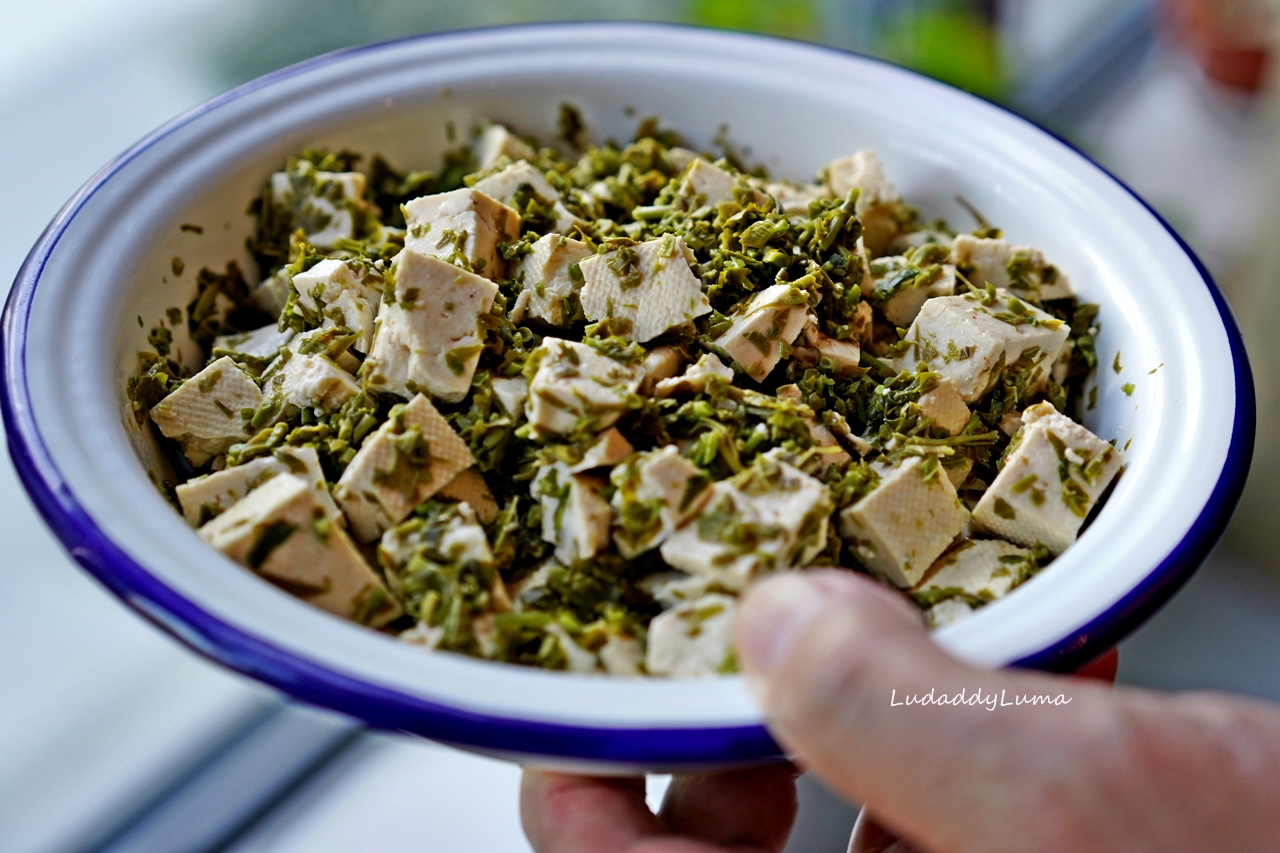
(832, 657)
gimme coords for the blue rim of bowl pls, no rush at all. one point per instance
(390, 709)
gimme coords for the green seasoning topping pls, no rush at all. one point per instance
(1127, 388)
(1115, 365)
(269, 538)
(1004, 510)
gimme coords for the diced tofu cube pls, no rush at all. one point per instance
(610, 449)
(957, 469)
(551, 280)
(980, 569)
(621, 655)
(334, 292)
(832, 453)
(680, 158)
(407, 460)
(430, 338)
(770, 517)
(906, 521)
(271, 293)
(661, 363)
(470, 488)
(313, 381)
(574, 517)
(693, 639)
(657, 492)
(203, 415)
(505, 185)
(845, 355)
(261, 345)
(900, 288)
(647, 288)
(695, 377)
(463, 227)
(206, 497)
(1021, 269)
(320, 203)
(969, 342)
(707, 183)
(577, 385)
(453, 539)
(946, 612)
(1052, 478)
(496, 142)
(768, 326)
(945, 407)
(878, 199)
(576, 658)
(511, 393)
(795, 198)
(279, 531)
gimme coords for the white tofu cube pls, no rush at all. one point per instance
(762, 331)
(405, 461)
(470, 488)
(707, 183)
(312, 381)
(577, 385)
(878, 199)
(904, 243)
(463, 227)
(271, 293)
(904, 523)
(610, 449)
(321, 202)
(575, 518)
(795, 198)
(657, 492)
(695, 377)
(279, 531)
(900, 289)
(943, 405)
(576, 658)
(946, 612)
(969, 341)
(1052, 478)
(550, 285)
(650, 287)
(622, 655)
(770, 517)
(1021, 269)
(694, 639)
(680, 158)
(203, 415)
(504, 186)
(452, 539)
(511, 393)
(980, 569)
(844, 355)
(496, 142)
(333, 291)
(429, 339)
(261, 345)
(661, 363)
(206, 497)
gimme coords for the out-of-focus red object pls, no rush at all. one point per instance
(1232, 40)
(1102, 668)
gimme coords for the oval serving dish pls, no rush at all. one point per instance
(70, 336)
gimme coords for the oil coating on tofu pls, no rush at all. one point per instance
(561, 407)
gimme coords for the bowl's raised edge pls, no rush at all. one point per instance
(385, 708)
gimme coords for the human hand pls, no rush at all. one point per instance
(830, 654)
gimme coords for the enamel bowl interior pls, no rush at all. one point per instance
(72, 332)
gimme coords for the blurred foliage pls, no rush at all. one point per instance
(955, 42)
(791, 18)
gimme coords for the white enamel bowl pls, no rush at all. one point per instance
(70, 334)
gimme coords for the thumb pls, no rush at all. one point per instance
(836, 660)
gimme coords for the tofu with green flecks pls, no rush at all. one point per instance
(610, 448)
(322, 204)
(260, 345)
(772, 516)
(335, 292)
(971, 574)
(413, 455)
(550, 278)
(970, 339)
(657, 491)
(463, 227)
(511, 393)
(844, 355)
(575, 519)
(707, 183)
(660, 363)
(909, 518)
(646, 288)
(496, 142)
(695, 378)
(280, 532)
(901, 288)
(1021, 269)
(1053, 474)
(469, 487)
(947, 612)
(429, 338)
(943, 405)
(203, 414)
(506, 184)
(878, 200)
(763, 332)
(576, 385)
(312, 381)
(203, 498)
(795, 198)
(693, 639)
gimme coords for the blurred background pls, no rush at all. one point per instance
(114, 738)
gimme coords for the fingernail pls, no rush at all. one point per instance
(773, 616)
